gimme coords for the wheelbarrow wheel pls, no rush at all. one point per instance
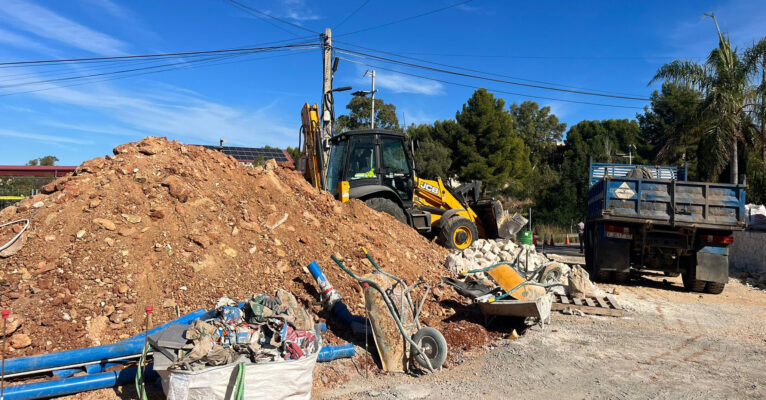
(433, 345)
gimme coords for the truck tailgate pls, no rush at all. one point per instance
(692, 204)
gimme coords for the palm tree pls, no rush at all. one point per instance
(724, 82)
(755, 58)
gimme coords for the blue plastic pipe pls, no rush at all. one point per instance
(124, 377)
(125, 348)
(63, 387)
(329, 353)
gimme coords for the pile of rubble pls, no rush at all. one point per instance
(485, 252)
(176, 227)
(525, 258)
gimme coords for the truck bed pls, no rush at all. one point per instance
(717, 206)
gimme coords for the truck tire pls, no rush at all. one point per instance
(458, 233)
(621, 277)
(714, 287)
(691, 283)
(387, 206)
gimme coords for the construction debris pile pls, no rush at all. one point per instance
(525, 258)
(177, 227)
(264, 329)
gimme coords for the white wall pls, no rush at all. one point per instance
(748, 252)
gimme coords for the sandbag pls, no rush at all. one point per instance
(580, 284)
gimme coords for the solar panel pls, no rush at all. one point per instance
(249, 154)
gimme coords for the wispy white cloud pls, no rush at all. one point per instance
(164, 110)
(299, 10)
(43, 138)
(398, 83)
(104, 129)
(410, 116)
(111, 8)
(23, 42)
(695, 35)
(44, 23)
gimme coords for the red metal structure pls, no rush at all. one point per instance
(55, 171)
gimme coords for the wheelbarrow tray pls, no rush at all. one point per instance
(539, 308)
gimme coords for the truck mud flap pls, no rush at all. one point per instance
(614, 255)
(713, 264)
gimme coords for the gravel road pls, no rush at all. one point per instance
(670, 345)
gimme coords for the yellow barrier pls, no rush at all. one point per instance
(13, 197)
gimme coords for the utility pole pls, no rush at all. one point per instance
(372, 117)
(322, 148)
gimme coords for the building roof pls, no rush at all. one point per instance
(36, 170)
(250, 154)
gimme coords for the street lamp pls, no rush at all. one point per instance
(363, 93)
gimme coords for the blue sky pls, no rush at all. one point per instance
(255, 100)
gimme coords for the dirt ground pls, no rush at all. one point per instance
(670, 345)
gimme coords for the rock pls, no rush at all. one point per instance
(66, 317)
(200, 240)
(20, 341)
(38, 204)
(105, 223)
(108, 310)
(252, 250)
(133, 219)
(128, 232)
(228, 250)
(80, 234)
(49, 238)
(270, 165)
(177, 188)
(13, 323)
(157, 213)
(94, 203)
(168, 303)
(109, 241)
(123, 288)
(281, 253)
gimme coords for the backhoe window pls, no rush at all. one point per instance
(394, 157)
(335, 167)
(361, 159)
(396, 169)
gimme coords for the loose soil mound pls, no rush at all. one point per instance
(166, 224)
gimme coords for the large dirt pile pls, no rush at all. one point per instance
(165, 224)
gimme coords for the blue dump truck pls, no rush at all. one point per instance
(650, 218)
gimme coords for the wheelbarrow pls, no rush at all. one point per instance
(427, 345)
(517, 295)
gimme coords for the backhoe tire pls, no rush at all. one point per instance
(714, 287)
(458, 233)
(387, 206)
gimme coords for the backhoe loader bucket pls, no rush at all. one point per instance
(496, 223)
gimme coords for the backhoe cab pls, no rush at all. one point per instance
(374, 166)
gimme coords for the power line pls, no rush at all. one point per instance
(209, 59)
(106, 73)
(159, 55)
(351, 15)
(466, 75)
(257, 12)
(628, 58)
(490, 89)
(482, 72)
(405, 19)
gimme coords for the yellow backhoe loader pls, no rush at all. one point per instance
(375, 166)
